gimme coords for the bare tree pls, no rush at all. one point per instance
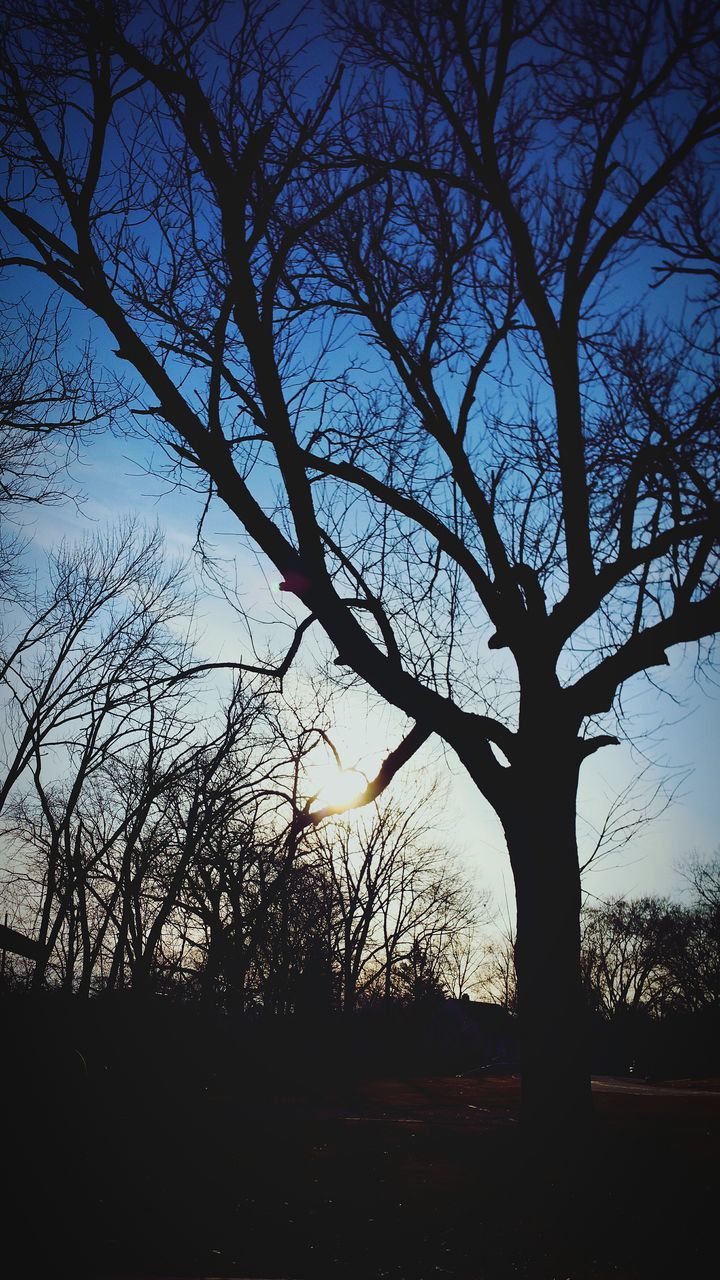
(692, 959)
(83, 678)
(693, 954)
(211, 862)
(394, 894)
(47, 406)
(652, 956)
(624, 949)
(462, 962)
(88, 647)
(415, 309)
(499, 973)
(181, 797)
(702, 875)
(224, 890)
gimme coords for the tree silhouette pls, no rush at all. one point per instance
(47, 403)
(403, 324)
(85, 667)
(394, 897)
(625, 945)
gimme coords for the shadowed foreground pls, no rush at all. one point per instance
(184, 1160)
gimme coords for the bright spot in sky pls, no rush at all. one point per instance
(334, 787)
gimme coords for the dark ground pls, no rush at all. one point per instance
(172, 1157)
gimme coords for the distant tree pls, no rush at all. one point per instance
(405, 329)
(461, 961)
(84, 672)
(395, 898)
(694, 952)
(92, 641)
(498, 973)
(253, 901)
(625, 946)
(49, 403)
(193, 803)
(420, 973)
(692, 958)
(702, 875)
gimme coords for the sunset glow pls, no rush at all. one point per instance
(334, 787)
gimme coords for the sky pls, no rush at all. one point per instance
(677, 732)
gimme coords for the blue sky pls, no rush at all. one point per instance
(122, 475)
(677, 735)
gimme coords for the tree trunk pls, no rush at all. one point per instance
(44, 931)
(348, 983)
(541, 836)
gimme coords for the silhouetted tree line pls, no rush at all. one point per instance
(651, 970)
(153, 843)
(651, 976)
(651, 956)
(424, 292)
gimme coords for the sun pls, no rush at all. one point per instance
(334, 787)
(344, 758)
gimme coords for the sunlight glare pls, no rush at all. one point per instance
(335, 787)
